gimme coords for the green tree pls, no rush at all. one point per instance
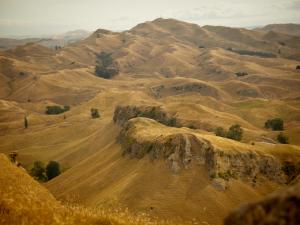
(25, 122)
(54, 109)
(274, 124)
(235, 132)
(94, 113)
(38, 171)
(52, 169)
(105, 66)
(221, 132)
(282, 138)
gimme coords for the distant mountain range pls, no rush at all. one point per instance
(50, 41)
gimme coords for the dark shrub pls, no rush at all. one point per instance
(298, 67)
(235, 132)
(13, 156)
(274, 124)
(221, 132)
(192, 126)
(52, 169)
(172, 122)
(282, 138)
(25, 122)
(241, 74)
(254, 53)
(105, 73)
(94, 113)
(38, 171)
(52, 110)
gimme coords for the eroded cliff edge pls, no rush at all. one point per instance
(181, 148)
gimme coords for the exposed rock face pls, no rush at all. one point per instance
(179, 149)
(278, 209)
(124, 113)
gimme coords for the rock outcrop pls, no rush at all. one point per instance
(124, 113)
(142, 137)
(281, 208)
(186, 87)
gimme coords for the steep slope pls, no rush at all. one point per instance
(25, 201)
(192, 168)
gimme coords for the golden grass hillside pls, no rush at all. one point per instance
(194, 74)
(25, 201)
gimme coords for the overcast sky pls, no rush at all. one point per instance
(40, 17)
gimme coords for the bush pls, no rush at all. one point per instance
(235, 132)
(105, 73)
(192, 126)
(282, 138)
(221, 132)
(253, 53)
(53, 110)
(38, 171)
(298, 67)
(241, 74)
(25, 122)
(94, 113)
(274, 124)
(52, 169)
(13, 156)
(105, 66)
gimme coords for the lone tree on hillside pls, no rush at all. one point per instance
(13, 156)
(94, 113)
(25, 122)
(235, 132)
(52, 169)
(38, 171)
(274, 124)
(282, 138)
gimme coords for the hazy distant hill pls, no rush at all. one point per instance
(290, 28)
(51, 41)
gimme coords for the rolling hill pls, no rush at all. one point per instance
(187, 81)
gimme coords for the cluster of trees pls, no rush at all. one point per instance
(105, 66)
(277, 124)
(253, 53)
(274, 124)
(94, 113)
(53, 110)
(235, 132)
(42, 173)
